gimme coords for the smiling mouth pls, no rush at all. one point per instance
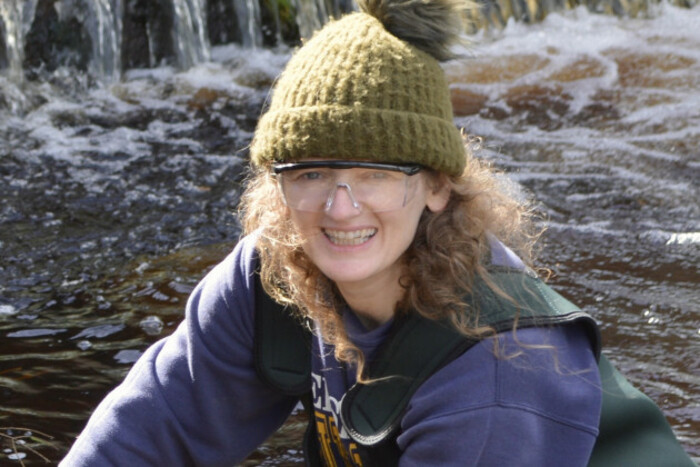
(354, 237)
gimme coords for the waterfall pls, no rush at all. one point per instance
(48, 34)
(311, 15)
(16, 17)
(189, 33)
(102, 21)
(249, 22)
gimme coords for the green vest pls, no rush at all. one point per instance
(633, 430)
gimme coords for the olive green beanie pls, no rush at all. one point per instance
(355, 91)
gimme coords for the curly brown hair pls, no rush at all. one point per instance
(450, 248)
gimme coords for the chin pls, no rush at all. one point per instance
(344, 273)
(340, 275)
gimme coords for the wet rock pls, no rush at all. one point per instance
(222, 22)
(204, 98)
(52, 43)
(146, 34)
(540, 106)
(465, 102)
(84, 345)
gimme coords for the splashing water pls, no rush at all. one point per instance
(15, 19)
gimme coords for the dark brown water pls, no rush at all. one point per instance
(116, 202)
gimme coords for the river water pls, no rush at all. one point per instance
(117, 199)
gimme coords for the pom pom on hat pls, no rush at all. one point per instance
(432, 26)
(369, 87)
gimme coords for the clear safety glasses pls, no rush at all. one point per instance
(313, 185)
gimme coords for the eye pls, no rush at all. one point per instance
(377, 175)
(309, 175)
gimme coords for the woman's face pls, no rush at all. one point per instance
(354, 246)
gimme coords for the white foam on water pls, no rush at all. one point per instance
(66, 144)
(8, 310)
(523, 175)
(266, 60)
(154, 74)
(685, 109)
(234, 69)
(548, 54)
(664, 237)
(208, 75)
(598, 229)
(684, 238)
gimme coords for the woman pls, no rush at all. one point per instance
(364, 210)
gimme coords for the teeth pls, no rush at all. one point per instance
(356, 237)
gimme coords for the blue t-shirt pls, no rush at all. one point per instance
(194, 398)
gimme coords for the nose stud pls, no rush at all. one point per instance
(331, 196)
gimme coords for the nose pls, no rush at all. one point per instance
(341, 202)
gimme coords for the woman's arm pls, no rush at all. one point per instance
(193, 398)
(527, 407)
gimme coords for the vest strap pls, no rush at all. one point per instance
(282, 347)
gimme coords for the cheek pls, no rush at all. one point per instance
(301, 221)
(406, 223)
(305, 224)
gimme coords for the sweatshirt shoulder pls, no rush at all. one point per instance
(550, 372)
(536, 401)
(235, 273)
(225, 298)
(241, 262)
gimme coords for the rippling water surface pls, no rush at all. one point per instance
(115, 201)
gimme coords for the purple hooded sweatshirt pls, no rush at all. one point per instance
(194, 398)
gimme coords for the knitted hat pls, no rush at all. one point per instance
(355, 91)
